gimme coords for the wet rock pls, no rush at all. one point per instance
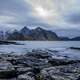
(9, 79)
(8, 42)
(69, 72)
(57, 62)
(36, 70)
(38, 65)
(30, 60)
(40, 76)
(7, 70)
(78, 78)
(40, 54)
(75, 48)
(26, 76)
(22, 70)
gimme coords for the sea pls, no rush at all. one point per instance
(61, 48)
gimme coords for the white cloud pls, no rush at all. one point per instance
(5, 19)
(57, 10)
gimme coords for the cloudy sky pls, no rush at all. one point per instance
(56, 14)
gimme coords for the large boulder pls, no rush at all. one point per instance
(7, 70)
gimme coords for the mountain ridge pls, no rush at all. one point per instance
(35, 34)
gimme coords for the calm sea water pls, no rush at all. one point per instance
(61, 46)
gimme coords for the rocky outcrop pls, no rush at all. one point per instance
(69, 72)
(38, 65)
(8, 42)
(75, 48)
(7, 70)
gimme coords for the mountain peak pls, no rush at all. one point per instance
(25, 28)
(25, 31)
(39, 29)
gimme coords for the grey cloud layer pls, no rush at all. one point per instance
(15, 12)
(19, 13)
(74, 18)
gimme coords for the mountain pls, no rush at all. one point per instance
(42, 34)
(18, 35)
(76, 39)
(25, 31)
(64, 38)
(15, 36)
(33, 34)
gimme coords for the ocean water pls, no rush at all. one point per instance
(61, 46)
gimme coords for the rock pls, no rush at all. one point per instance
(32, 62)
(36, 70)
(38, 54)
(8, 42)
(5, 65)
(24, 70)
(7, 70)
(26, 76)
(40, 76)
(32, 59)
(57, 62)
(78, 78)
(75, 48)
(69, 72)
(38, 65)
(9, 79)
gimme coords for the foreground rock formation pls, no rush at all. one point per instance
(38, 65)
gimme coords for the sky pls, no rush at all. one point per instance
(50, 14)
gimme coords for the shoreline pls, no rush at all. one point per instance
(38, 65)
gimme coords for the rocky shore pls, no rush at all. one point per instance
(7, 42)
(38, 65)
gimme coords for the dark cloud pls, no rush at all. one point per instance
(13, 6)
(22, 13)
(73, 18)
(19, 10)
